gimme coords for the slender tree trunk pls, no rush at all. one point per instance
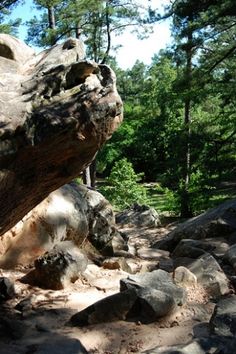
(86, 177)
(52, 24)
(108, 30)
(93, 173)
(51, 17)
(77, 31)
(185, 198)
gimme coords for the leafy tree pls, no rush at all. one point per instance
(11, 26)
(123, 187)
(96, 26)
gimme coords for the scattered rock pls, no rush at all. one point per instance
(166, 264)
(223, 320)
(11, 327)
(158, 280)
(195, 248)
(112, 308)
(57, 345)
(143, 304)
(152, 253)
(138, 215)
(183, 276)
(7, 289)
(152, 304)
(217, 222)
(26, 305)
(116, 246)
(210, 275)
(196, 346)
(116, 263)
(230, 256)
(58, 268)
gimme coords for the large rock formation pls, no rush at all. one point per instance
(72, 212)
(56, 110)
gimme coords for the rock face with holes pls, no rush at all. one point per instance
(56, 111)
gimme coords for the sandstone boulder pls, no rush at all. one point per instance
(56, 111)
(73, 212)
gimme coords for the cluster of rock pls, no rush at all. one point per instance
(202, 253)
(144, 297)
(205, 246)
(57, 234)
(75, 215)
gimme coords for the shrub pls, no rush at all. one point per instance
(123, 187)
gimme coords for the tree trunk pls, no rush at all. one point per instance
(185, 198)
(51, 18)
(108, 30)
(89, 175)
(86, 177)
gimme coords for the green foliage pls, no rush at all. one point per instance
(8, 26)
(123, 187)
(94, 21)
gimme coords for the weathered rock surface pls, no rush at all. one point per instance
(58, 268)
(112, 308)
(73, 212)
(217, 222)
(195, 248)
(158, 280)
(7, 289)
(143, 304)
(230, 256)
(56, 111)
(196, 346)
(57, 345)
(210, 275)
(183, 276)
(223, 320)
(139, 215)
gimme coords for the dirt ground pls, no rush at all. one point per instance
(47, 312)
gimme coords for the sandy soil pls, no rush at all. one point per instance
(47, 312)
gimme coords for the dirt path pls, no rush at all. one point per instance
(46, 315)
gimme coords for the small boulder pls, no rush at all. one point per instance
(202, 345)
(57, 345)
(139, 215)
(7, 290)
(183, 276)
(112, 308)
(210, 275)
(152, 304)
(158, 280)
(116, 263)
(230, 256)
(58, 268)
(223, 320)
(195, 248)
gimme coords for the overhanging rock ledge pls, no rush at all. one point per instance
(56, 110)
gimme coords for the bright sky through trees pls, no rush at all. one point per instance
(132, 48)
